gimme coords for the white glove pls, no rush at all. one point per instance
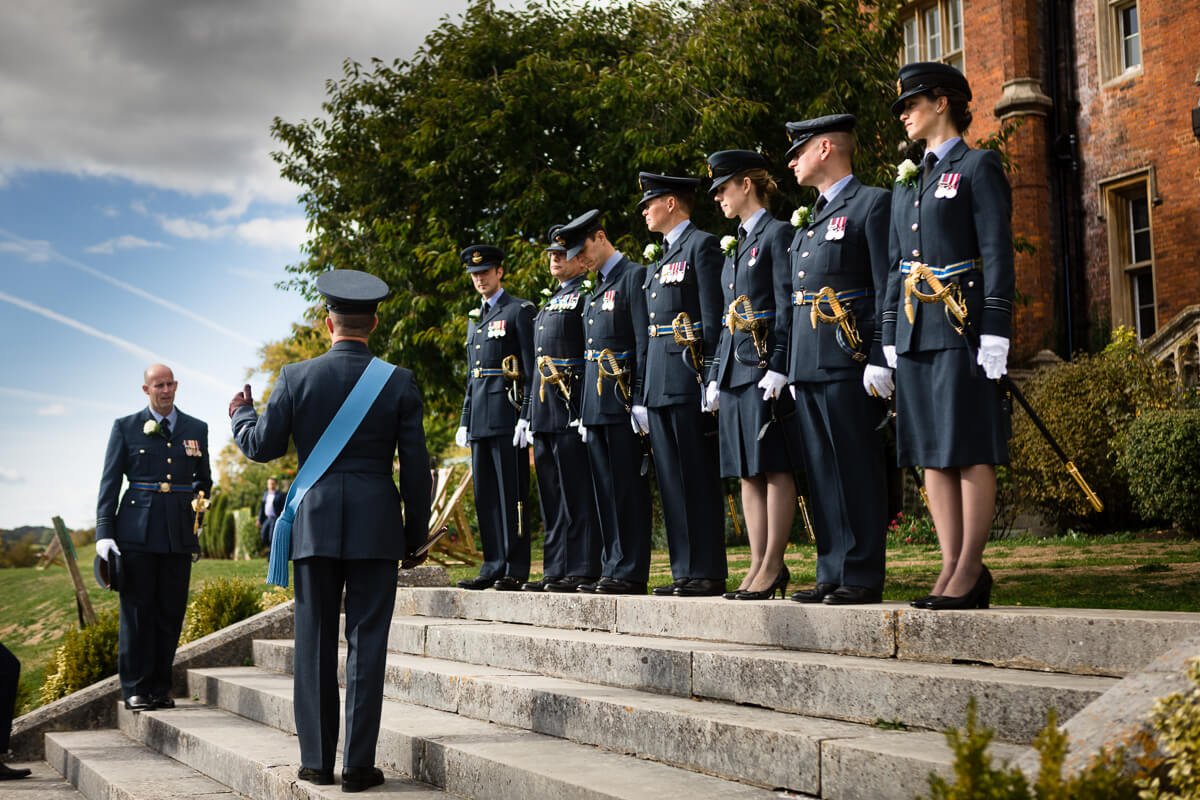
(639, 419)
(460, 436)
(583, 433)
(792, 389)
(106, 546)
(521, 435)
(772, 384)
(712, 395)
(993, 356)
(889, 355)
(877, 381)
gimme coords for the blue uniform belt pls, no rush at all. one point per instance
(562, 362)
(667, 330)
(594, 355)
(941, 273)
(487, 372)
(803, 298)
(753, 315)
(163, 488)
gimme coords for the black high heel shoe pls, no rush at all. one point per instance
(979, 596)
(780, 585)
(923, 602)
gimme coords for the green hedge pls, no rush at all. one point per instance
(218, 604)
(1161, 456)
(84, 657)
(245, 527)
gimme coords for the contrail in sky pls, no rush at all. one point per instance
(50, 252)
(147, 356)
(45, 397)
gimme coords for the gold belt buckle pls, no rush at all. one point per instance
(164, 487)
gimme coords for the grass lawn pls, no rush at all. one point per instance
(1146, 571)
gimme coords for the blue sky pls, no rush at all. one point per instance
(141, 217)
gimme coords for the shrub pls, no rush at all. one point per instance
(217, 604)
(1160, 455)
(84, 657)
(1176, 720)
(914, 529)
(275, 596)
(1087, 404)
(245, 527)
(214, 520)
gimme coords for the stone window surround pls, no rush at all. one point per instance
(1115, 192)
(1110, 44)
(915, 12)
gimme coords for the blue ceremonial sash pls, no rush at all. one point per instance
(328, 448)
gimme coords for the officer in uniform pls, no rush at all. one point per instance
(951, 232)
(571, 555)
(683, 302)
(614, 418)
(351, 528)
(164, 454)
(839, 264)
(499, 377)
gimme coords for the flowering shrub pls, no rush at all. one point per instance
(917, 529)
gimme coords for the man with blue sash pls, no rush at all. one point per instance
(351, 415)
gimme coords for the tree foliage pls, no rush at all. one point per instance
(506, 122)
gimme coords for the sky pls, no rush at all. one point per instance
(141, 216)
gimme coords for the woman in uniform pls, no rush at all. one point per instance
(951, 228)
(748, 376)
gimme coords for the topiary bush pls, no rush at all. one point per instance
(219, 603)
(84, 657)
(1087, 404)
(245, 526)
(1161, 456)
(214, 521)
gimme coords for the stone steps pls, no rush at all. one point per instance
(818, 757)
(473, 758)
(848, 688)
(43, 784)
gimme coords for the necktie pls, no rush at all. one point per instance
(165, 425)
(819, 206)
(741, 233)
(931, 160)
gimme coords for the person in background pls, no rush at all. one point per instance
(10, 675)
(270, 506)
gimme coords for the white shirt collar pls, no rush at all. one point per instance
(833, 191)
(491, 301)
(945, 147)
(673, 235)
(609, 263)
(172, 418)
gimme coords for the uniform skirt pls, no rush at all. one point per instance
(742, 415)
(948, 414)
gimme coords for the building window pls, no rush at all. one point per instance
(1131, 254)
(934, 32)
(1120, 32)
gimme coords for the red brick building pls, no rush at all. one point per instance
(1106, 186)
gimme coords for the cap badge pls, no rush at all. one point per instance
(899, 87)
(561, 240)
(710, 170)
(476, 257)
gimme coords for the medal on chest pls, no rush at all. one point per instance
(565, 302)
(753, 256)
(836, 229)
(672, 273)
(192, 448)
(497, 328)
(610, 300)
(947, 185)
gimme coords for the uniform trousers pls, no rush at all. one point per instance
(370, 598)
(686, 464)
(500, 473)
(843, 459)
(154, 592)
(622, 501)
(10, 675)
(572, 547)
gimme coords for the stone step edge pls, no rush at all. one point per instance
(92, 762)
(443, 748)
(167, 732)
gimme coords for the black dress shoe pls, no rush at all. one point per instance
(358, 778)
(701, 587)
(670, 589)
(321, 777)
(619, 586)
(571, 583)
(814, 595)
(478, 582)
(7, 773)
(853, 596)
(590, 587)
(536, 586)
(508, 584)
(139, 703)
(162, 702)
(979, 596)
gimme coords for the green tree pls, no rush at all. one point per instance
(508, 121)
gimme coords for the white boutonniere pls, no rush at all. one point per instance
(653, 252)
(547, 293)
(729, 245)
(906, 173)
(151, 428)
(475, 313)
(587, 284)
(801, 217)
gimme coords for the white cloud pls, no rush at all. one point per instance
(192, 229)
(126, 242)
(10, 476)
(52, 410)
(34, 251)
(280, 234)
